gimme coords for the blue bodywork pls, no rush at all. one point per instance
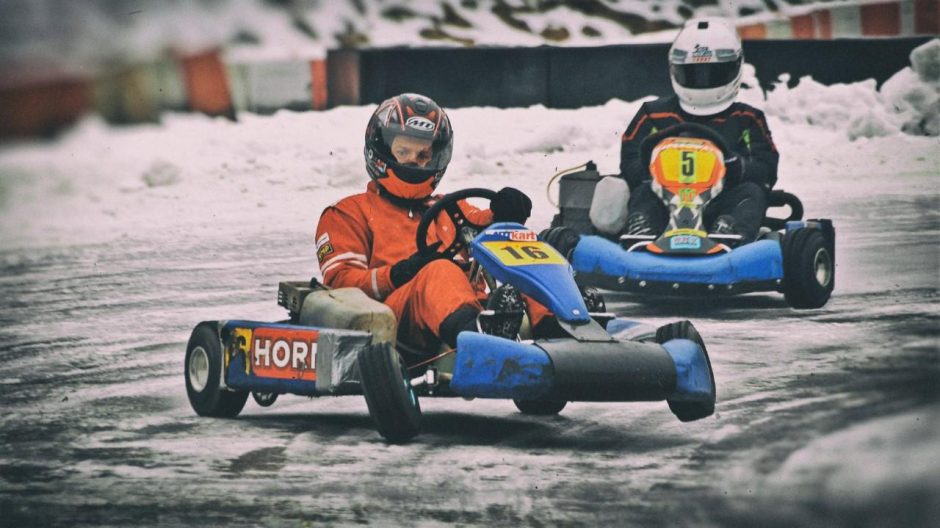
(494, 367)
(237, 378)
(693, 372)
(549, 284)
(755, 262)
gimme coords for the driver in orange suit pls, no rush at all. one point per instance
(367, 240)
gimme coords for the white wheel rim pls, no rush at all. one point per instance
(199, 369)
(823, 268)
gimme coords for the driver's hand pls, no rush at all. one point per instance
(406, 269)
(511, 205)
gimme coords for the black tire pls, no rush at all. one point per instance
(392, 401)
(540, 407)
(688, 411)
(264, 399)
(808, 269)
(202, 369)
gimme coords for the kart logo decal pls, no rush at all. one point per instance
(685, 242)
(520, 235)
(420, 123)
(284, 353)
(523, 236)
(701, 54)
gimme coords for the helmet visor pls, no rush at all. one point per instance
(705, 75)
(417, 157)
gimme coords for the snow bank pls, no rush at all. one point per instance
(886, 463)
(909, 101)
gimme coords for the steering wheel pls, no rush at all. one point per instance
(688, 129)
(450, 203)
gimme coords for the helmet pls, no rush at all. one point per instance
(705, 65)
(408, 146)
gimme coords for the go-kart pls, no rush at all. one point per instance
(341, 342)
(688, 166)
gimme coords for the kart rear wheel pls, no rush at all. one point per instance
(683, 410)
(389, 395)
(203, 372)
(808, 269)
(540, 407)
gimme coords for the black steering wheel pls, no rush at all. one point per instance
(684, 129)
(450, 203)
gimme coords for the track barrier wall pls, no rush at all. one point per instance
(575, 77)
(805, 43)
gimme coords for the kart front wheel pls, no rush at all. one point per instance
(540, 407)
(808, 269)
(203, 372)
(687, 411)
(389, 395)
(264, 399)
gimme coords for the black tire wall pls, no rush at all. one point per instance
(587, 76)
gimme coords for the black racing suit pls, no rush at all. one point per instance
(745, 130)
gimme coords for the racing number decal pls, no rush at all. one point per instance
(688, 166)
(530, 251)
(516, 253)
(686, 163)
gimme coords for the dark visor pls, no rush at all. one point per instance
(707, 75)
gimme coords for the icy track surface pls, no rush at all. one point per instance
(116, 242)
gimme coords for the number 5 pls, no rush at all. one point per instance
(688, 164)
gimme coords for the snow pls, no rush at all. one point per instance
(193, 175)
(892, 446)
(84, 36)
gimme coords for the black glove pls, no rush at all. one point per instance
(511, 205)
(564, 239)
(406, 269)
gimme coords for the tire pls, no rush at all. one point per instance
(688, 411)
(540, 407)
(808, 269)
(264, 399)
(202, 369)
(392, 401)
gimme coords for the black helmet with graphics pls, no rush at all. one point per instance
(408, 145)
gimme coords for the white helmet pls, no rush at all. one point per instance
(705, 65)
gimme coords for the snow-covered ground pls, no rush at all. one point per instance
(114, 242)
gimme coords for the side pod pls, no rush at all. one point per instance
(565, 369)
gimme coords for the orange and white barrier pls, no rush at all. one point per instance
(266, 86)
(900, 18)
(42, 107)
(207, 84)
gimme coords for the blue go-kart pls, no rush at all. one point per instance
(793, 256)
(340, 342)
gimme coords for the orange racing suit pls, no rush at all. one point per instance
(360, 237)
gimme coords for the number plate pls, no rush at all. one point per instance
(687, 164)
(515, 253)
